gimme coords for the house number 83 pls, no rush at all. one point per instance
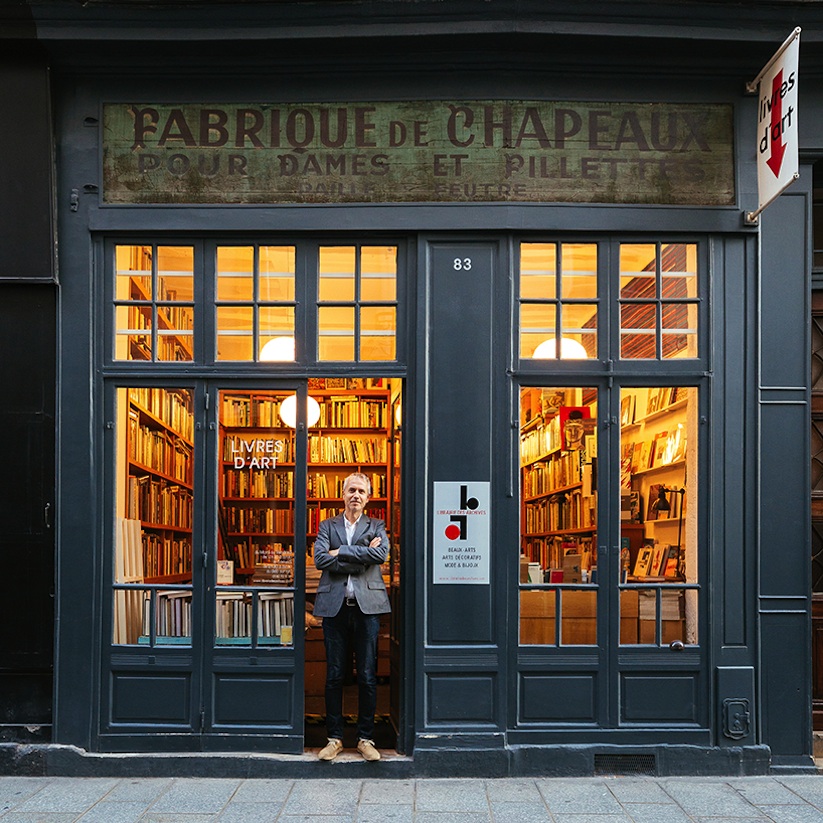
(462, 263)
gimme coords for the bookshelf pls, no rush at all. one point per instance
(159, 488)
(559, 503)
(257, 482)
(655, 444)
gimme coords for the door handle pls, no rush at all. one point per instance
(677, 645)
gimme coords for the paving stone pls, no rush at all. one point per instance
(451, 817)
(39, 817)
(390, 813)
(451, 796)
(263, 791)
(637, 790)
(513, 790)
(13, 790)
(114, 812)
(765, 790)
(175, 817)
(808, 787)
(250, 812)
(508, 812)
(196, 796)
(65, 794)
(792, 814)
(138, 790)
(656, 813)
(388, 791)
(592, 818)
(323, 797)
(698, 797)
(578, 797)
(315, 818)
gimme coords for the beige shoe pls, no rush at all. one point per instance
(367, 749)
(331, 749)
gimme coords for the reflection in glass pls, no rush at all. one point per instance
(649, 274)
(658, 505)
(153, 513)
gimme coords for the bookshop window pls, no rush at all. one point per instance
(153, 516)
(558, 560)
(256, 514)
(255, 303)
(658, 301)
(558, 300)
(658, 515)
(154, 302)
(357, 303)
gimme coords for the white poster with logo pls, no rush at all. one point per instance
(462, 532)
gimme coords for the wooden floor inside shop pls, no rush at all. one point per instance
(385, 735)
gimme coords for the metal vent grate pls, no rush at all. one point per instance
(625, 764)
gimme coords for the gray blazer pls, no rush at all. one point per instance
(357, 560)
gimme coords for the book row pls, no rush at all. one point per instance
(561, 470)
(258, 483)
(160, 503)
(567, 510)
(242, 519)
(159, 450)
(353, 413)
(327, 449)
(173, 408)
(163, 556)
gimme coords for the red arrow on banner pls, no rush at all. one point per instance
(775, 160)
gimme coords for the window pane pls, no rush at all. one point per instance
(377, 333)
(277, 272)
(133, 265)
(578, 331)
(335, 333)
(378, 274)
(174, 345)
(276, 321)
(337, 270)
(133, 332)
(256, 510)
(537, 326)
(538, 263)
(153, 514)
(175, 273)
(638, 270)
(638, 325)
(235, 339)
(235, 273)
(558, 494)
(578, 271)
(679, 329)
(658, 493)
(679, 275)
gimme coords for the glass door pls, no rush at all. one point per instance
(254, 586)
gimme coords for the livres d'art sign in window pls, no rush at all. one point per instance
(432, 151)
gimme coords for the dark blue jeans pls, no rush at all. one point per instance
(351, 629)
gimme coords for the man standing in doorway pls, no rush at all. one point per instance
(351, 596)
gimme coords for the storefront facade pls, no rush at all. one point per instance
(516, 289)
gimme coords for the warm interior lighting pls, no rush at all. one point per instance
(288, 411)
(569, 350)
(278, 349)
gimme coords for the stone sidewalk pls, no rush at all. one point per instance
(789, 799)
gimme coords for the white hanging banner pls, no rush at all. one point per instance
(777, 133)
